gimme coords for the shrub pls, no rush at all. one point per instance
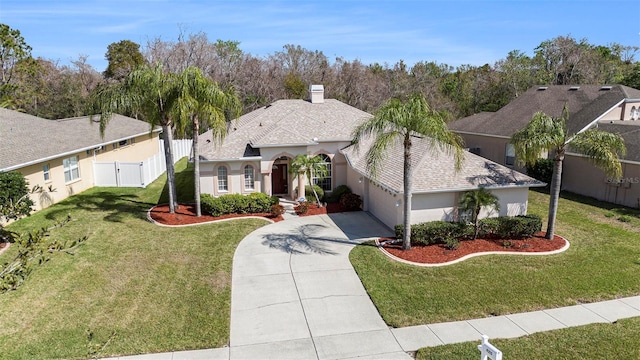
(338, 192)
(275, 200)
(510, 227)
(303, 208)
(351, 202)
(277, 210)
(308, 193)
(542, 170)
(14, 196)
(235, 204)
(435, 232)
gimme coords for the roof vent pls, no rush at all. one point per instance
(574, 88)
(316, 93)
(605, 88)
(542, 88)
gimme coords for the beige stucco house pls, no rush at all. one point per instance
(257, 152)
(614, 108)
(61, 153)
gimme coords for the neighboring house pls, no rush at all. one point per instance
(614, 108)
(63, 153)
(256, 155)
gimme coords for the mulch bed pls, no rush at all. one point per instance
(331, 208)
(185, 214)
(437, 254)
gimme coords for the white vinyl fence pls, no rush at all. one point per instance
(138, 174)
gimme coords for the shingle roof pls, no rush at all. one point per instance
(585, 104)
(284, 122)
(25, 139)
(630, 132)
(434, 169)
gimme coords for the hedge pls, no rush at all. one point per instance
(253, 203)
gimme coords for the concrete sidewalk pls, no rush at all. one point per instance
(295, 295)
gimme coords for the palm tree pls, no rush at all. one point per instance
(306, 165)
(201, 100)
(473, 201)
(548, 134)
(150, 94)
(402, 121)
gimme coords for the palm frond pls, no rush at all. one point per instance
(603, 149)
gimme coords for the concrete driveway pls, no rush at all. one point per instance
(295, 294)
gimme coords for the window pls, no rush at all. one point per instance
(325, 182)
(46, 172)
(223, 182)
(71, 169)
(510, 155)
(124, 143)
(249, 179)
(635, 113)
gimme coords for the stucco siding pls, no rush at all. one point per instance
(431, 207)
(512, 202)
(580, 177)
(492, 148)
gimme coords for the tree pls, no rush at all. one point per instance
(307, 165)
(399, 120)
(548, 134)
(473, 201)
(13, 49)
(152, 95)
(14, 196)
(123, 57)
(202, 101)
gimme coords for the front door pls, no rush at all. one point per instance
(279, 179)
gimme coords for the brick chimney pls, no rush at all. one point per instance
(316, 93)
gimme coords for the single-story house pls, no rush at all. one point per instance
(614, 108)
(62, 154)
(257, 152)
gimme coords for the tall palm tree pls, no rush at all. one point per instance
(474, 200)
(548, 134)
(151, 94)
(202, 101)
(399, 120)
(307, 165)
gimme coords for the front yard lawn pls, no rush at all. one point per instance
(158, 288)
(602, 263)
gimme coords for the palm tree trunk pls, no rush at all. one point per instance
(313, 188)
(196, 165)
(171, 173)
(406, 239)
(554, 195)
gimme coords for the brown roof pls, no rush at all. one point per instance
(284, 123)
(434, 169)
(585, 103)
(27, 139)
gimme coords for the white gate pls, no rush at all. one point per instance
(119, 174)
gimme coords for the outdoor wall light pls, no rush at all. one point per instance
(360, 180)
(398, 203)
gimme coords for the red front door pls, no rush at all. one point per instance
(279, 179)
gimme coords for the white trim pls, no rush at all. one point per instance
(597, 119)
(585, 156)
(480, 134)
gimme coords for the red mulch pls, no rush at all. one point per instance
(186, 214)
(331, 208)
(437, 254)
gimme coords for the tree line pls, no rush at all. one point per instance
(45, 88)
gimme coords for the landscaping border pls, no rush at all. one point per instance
(204, 222)
(391, 256)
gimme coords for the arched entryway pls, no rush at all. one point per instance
(280, 176)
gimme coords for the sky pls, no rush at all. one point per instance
(453, 32)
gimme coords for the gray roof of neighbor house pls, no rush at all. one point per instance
(585, 103)
(283, 123)
(630, 132)
(27, 139)
(434, 169)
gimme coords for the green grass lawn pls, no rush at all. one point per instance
(158, 288)
(598, 341)
(602, 263)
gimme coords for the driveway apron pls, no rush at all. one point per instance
(295, 294)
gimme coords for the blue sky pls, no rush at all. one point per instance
(454, 32)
